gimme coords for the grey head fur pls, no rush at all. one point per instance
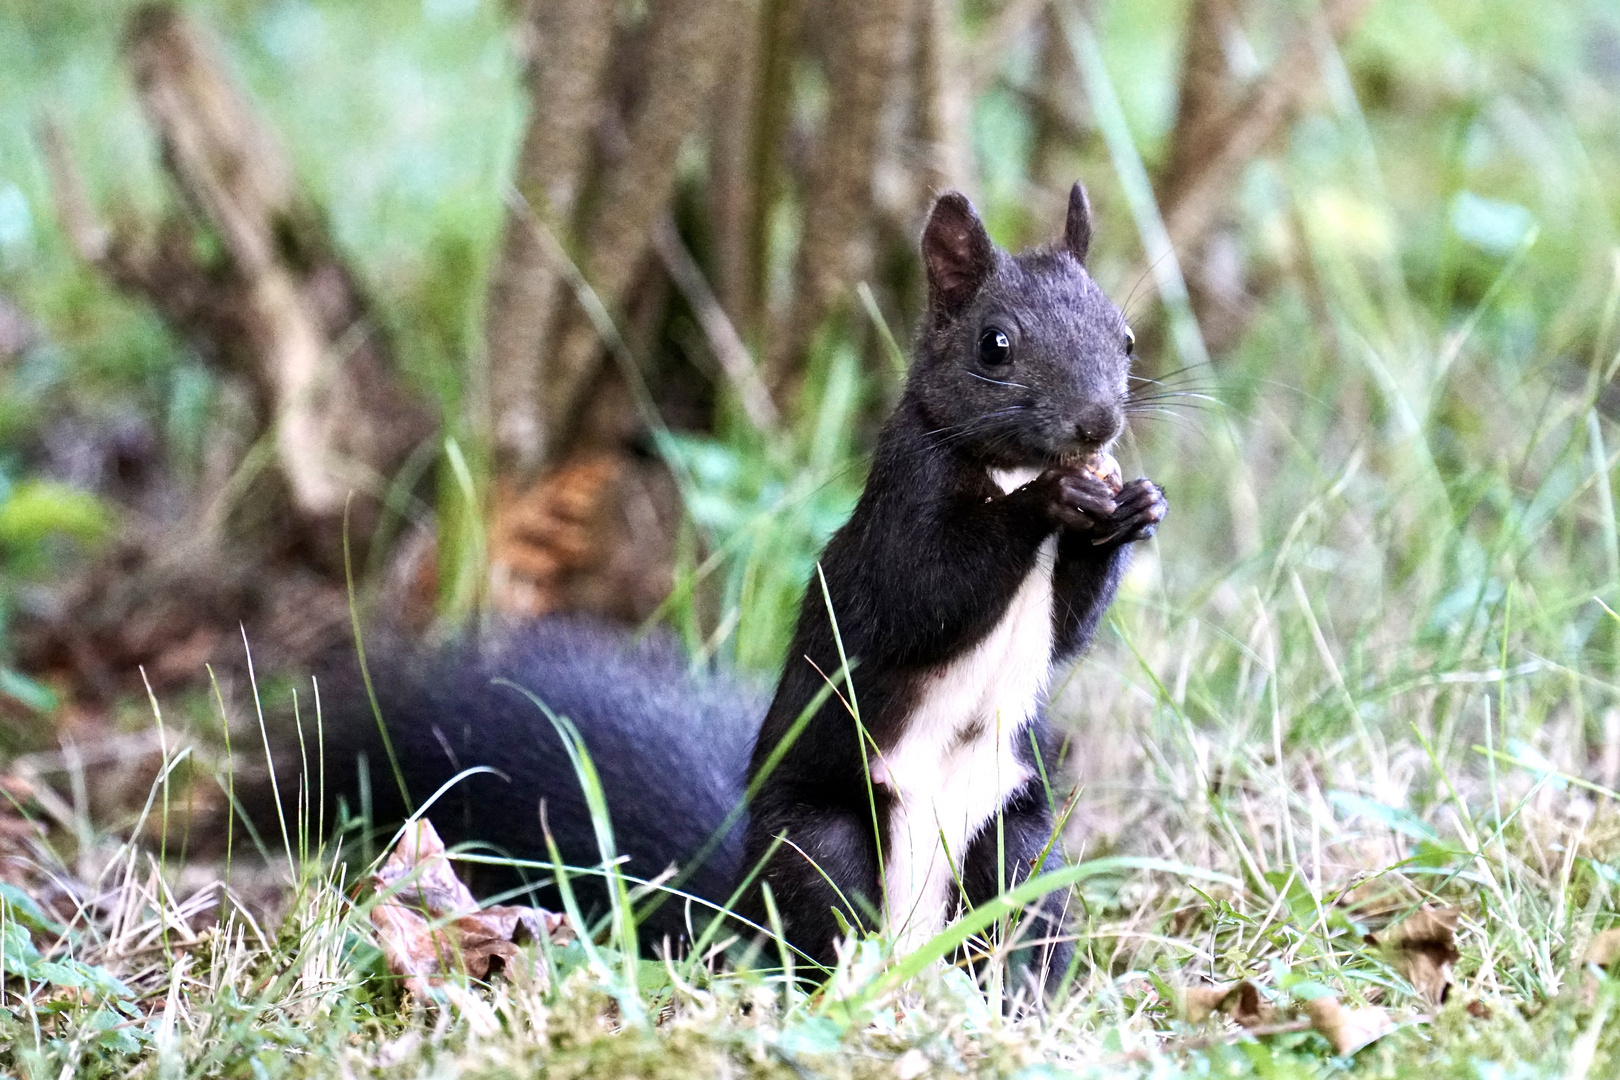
(1022, 360)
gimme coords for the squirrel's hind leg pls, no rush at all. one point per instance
(827, 861)
(1001, 859)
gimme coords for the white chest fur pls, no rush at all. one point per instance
(955, 764)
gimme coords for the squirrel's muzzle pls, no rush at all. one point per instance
(1097, 425)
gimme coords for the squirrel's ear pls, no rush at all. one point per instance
(1077, 230)
(956, 251)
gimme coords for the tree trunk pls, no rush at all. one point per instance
(277, 306)
(1205, 96)
(682, 67)
(274, 307)
(838, 197)
(572, 45)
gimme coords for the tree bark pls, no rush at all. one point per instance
(838, 198)
(272, 305)
(1205, 97)
(944, 112)
(1239, 136)
(682, 66)
(573, 40)
(277, 305)
(734, 191)
(769, 152)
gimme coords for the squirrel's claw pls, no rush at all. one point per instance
(1140, 507)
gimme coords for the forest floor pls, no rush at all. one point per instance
(1239, 913)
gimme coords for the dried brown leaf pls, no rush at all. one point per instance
(420, 872)
(408, 944)
(1348, 1029)
(1239, 1000)
(1604, 949)
(1423, 948)
(1198, 1002)
(1604, 952)
(429, 924)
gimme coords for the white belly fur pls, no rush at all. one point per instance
(955, 766)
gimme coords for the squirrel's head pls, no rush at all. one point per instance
(1022, 361)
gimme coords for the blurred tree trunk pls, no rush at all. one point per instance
(1206, 94)
(1215, 162)
(1220, 131)
(734, 181)
(277, 305)
(570, 42)
(554, 406)
(944, 113)
(862, 39)
(682, 63)
(269, 301)
(769, 152)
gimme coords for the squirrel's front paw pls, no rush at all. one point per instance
(1139, 506)
(1082, 502)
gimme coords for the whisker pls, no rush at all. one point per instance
(1206, 386)
(998, 382)
(971, 427)
(1184, 406)
(1166, 416)
(1177, 373)
(1172, 395)
(1125, 308)
(968, 424)
(991, 426)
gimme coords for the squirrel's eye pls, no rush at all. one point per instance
(995, 347)
(1130, 341)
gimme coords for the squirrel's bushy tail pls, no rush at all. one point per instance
(670, 748)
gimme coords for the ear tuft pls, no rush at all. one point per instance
(1077, 230)
(956, 251)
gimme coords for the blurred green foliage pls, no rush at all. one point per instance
(36, 518)
(1428, 255)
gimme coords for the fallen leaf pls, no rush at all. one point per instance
(1604, 949)
(911, 1064)
(1198, 1002)
(1239, 1000)
(1603, 952)
(1348, 1029)
(1423, 948)
(430, 925)
(421, 870)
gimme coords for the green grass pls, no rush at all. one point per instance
(1371, 659)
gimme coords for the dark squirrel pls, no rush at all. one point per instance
(985, 548)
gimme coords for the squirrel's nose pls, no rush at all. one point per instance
(1097, 424)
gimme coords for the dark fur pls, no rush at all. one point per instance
(924, 568)
(670, 748)
(934, 552)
